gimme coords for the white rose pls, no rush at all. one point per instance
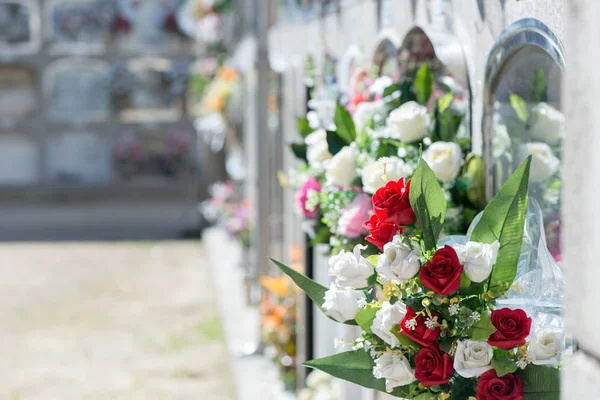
(548, 124)
(500, 141)
(385, 319)
(409, 122)
(364, 112)
(399, 261)
(472, 358)
(546, 346)
(395, 369)
(351, 269)
(478, 259)
(341, 304)
(445, 159)
(341, 169)
(317, 149)
(543, 162)
(373, 173)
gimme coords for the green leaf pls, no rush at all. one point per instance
(303, 127)
(541, 382)
(504, 366)
(373, 259)
(465, 282)
(520, 107)
(539, 90)
(335, 142)
(503, 219)
(364, 318)
(322, 236)
(428, 202)
(427, 396)
(406, 91)
(356, 367)
(423, 84)
(483, 328)
(404, 340)
(299, 150)
(445, 101)
(390, 90)
(314, 290)
(344, 124)
(447, 344)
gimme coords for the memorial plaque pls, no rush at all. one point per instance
(79, 25)
(19, 160)
(79, 157)
(147, 26)
(77, 91)
(18, 97)
(19, 27)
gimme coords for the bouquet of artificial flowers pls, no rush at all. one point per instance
(443, 317)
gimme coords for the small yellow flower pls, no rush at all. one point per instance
(420, 386)
(445, 396)
(390, 290)
(426, 302)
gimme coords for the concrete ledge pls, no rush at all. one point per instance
(581, 377)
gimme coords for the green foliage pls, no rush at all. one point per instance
(503, 363)
(423, 84)
(299, 150)
(427, 396)
(504, 219)
(356, 367)
(445, 101)
(404, 340)
(483, 328)
(428, 202)
(344, 124)
(364, 318)
(520, 107)
(539, 90)
(541, 383)
(314, 290)
(303, 127)
(335, 142)
(322, 235)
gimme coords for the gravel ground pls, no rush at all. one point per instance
(110, 321)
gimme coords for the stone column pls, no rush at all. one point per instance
(581, 214)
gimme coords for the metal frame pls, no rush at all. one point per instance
(35, 28)
(528, 32)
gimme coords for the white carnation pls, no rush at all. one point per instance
(395, 369)
(546, 346)
(317, 149)
(351, 269)
(341, 304)
(387, 318)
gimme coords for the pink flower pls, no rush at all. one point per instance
(302, 195)
(353, 217)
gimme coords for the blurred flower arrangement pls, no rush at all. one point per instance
(278, 325)
(377, 137)
(225, 208)
(534, 128)
(320, 386)
(454, 317)
(132, 156)
(217, 92)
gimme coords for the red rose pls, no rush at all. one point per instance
(491, 387)
(392, 203)
(380, 232)
(442, 273)
(413, 326)
(512, 328)
(434, 367)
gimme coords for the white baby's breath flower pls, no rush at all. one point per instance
(430, 323)
(362, 303)
(453, 309)
(521, 363)
(411, 324)
(475, 316)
